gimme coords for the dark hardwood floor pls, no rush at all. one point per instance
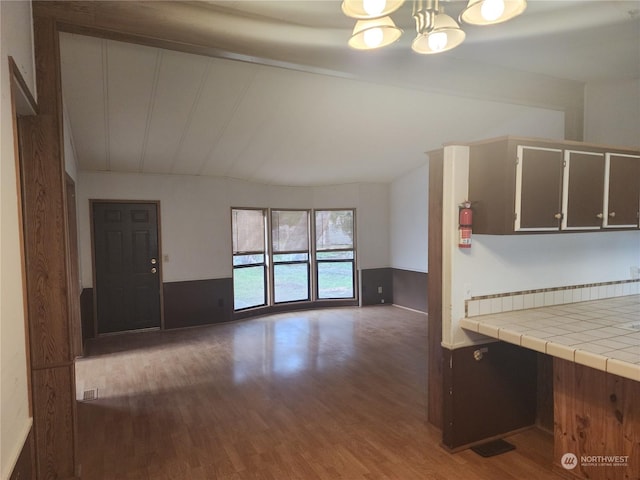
(322, 394)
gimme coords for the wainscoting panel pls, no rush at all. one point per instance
(410, 289)
(374, 279)
(86, 314)
(197, 302)
(25, 465)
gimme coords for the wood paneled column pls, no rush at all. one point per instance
(434, 291)
(52, 368)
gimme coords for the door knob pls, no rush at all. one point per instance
(154, 270)
(153, 261)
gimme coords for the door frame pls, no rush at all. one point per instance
(73, 259)
(22, 104)
(93, 262)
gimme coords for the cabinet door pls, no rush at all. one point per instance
(622, 190)
(582, 190)
(538, 189)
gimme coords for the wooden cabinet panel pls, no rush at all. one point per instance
(492, 173)
(622, 191)
(488, 397)
(538, 188)
(595, 414)
(583, 190)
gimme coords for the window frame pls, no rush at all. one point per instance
(264, 264)
(317, 261)
(273, 262)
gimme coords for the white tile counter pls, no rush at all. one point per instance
(601, 334)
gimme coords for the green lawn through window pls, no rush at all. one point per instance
(335, 280)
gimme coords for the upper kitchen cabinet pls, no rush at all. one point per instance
(622, 191)
(532, 185)
(538, 189)
(583, 190)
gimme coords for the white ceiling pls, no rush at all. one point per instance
(135, 108)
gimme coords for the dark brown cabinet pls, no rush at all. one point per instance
(519, 185)
(622, 191)
(538, 169)
(583, 190)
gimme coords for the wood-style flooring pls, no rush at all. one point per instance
(323, 394)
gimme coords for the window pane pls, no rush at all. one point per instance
(247, 259)
(335, 255)
(291, 282)
(335, 279)
(289, 230)
(291, 257)
(248, 230)
(334, 229)
(248, 287)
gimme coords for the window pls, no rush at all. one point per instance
(290, 250)
(249, 258)
(290, 264)
(335, 254)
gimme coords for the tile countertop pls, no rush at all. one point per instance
(601, 334)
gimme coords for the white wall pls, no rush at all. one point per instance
(70, 162)
(409, 220)
(196, 220)
(554, 260)
(612, 113)
(16, 40)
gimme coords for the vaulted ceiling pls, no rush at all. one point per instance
(267, 91)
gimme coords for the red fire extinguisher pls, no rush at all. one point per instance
(465, 220)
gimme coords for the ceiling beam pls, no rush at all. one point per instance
(201, 28)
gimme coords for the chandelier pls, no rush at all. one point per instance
(436, 31)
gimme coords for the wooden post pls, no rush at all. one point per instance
(52, 368)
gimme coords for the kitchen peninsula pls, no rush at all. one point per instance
(596, 376)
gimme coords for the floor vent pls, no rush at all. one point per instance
(90, 395)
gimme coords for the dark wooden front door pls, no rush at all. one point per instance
(127, 266)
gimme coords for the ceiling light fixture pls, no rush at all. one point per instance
(374, 33)
(436, 31)
(368, 9)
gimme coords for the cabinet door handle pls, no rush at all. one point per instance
(600, 216)
(557, 216)
(612, 214)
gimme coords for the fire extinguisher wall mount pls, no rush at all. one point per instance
(465, 223)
